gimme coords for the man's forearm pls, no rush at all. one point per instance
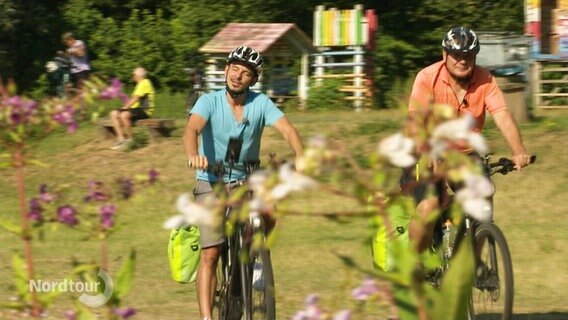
(190, 143)
(510, 131)
(295, 142)
(130, 102)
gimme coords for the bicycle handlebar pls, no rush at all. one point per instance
(503, 166)
(220, 167)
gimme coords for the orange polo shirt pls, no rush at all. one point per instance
(432, 85)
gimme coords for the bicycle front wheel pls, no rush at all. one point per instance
(229, 298)
(262, 292)
(493, 288)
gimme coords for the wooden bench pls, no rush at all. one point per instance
(156, 127)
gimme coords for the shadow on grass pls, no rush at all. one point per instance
(530, 316)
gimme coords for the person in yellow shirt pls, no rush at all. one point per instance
(139, 106)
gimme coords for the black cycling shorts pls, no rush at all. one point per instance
(136, 114)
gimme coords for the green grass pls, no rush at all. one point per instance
(530, 208)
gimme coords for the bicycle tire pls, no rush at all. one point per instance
(262, 286)
(493, 288)
(230, 305)
(221, 297)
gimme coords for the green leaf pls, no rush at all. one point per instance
(455, 291)
(38, 163)
(21, 277)
(5, 164)
(405, 300)
(85, 268)
(84, 313)
(125, 276)
(15, 137)
(17, 305)
(46, 299)
(271, 238)
(11, 227)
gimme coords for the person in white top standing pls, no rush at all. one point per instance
(77, 52)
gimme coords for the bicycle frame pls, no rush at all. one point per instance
(494, 275)
(236, 288)
(237, 267)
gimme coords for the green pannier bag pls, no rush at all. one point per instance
(385, 240)
(184, 250)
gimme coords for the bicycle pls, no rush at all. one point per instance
(58, 75)
(493, 284)
(245, 280)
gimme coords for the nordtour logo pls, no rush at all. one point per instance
(91, 291)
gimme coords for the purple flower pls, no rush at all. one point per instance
(312, 312)
(124, 313)
(114, 91)
(67, 215)
(70, 315)
(35, 210)
(22, 109)
(107, 213)
(44, 195)
(153, 176)
(312, 300)
(96, 192)
(342, 315)
(65, 117)
(126, 188)
(367, 289)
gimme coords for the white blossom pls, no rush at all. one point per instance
(398, 150)
(457, 130)
(315, 156)
(257, 181)
(478, 208)
(258, 204)
(192, 213)
(474, 196)
(317, 142)
(290, 181)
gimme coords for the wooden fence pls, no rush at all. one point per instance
(550, 84)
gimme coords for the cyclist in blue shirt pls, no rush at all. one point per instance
(235, 113)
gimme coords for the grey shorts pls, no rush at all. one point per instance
(210, 236)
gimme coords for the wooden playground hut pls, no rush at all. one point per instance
(283, 47)
(344, 38)
(546, 22)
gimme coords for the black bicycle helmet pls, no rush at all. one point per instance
(461, 39)
(248, 56)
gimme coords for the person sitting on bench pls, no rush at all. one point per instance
(139, 106)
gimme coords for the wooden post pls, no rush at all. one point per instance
(358, 69)
(210, 73)
(303, 79)
(536, 85)
(320, 59)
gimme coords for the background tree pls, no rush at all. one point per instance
(165, 35)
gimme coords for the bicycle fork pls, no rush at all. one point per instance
(245, 272)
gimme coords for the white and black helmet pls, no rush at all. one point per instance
(248, 56)
(461, 39)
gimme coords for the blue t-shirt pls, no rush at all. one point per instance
(221, 125)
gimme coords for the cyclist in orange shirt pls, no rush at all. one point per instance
(457, 81)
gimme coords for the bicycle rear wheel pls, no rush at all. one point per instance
(262, 286)
(493, 288)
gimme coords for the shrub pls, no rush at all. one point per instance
(326, 95)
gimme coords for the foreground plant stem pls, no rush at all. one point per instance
(26, 238)
(104, 255)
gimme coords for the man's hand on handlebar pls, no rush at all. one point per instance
(198, 162)
(521, 160)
